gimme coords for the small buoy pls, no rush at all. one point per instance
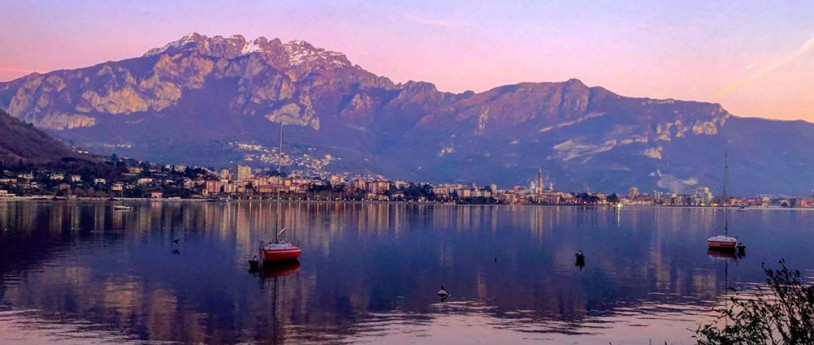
(176, 241)
(443, 292)
(176, 251)
(495, 259)
(254, 264)
(580, 256)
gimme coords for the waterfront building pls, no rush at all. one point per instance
(228, 188)
(378, 187)
(358, 184)
(442, 192)
(117, 187)
(704, 195)
(242, 172)
(657, 195)
(335, 179)
(213, 187)
(225, 174)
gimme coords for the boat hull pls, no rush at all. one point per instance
(287, 254)
(728, 245)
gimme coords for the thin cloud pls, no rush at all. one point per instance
(803, 50)
(445, 23)
(16, 69)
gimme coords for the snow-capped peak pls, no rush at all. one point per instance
(192, 37)
(297, 52)
(300, 52)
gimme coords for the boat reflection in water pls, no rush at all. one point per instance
(279, 269)
(724, 254)
(271, 276)
(721, 254)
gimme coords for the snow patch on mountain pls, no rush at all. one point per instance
(252, 47)
(297, 52)
(187, 39)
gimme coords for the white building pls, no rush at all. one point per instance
(242, 172)
(704, 195)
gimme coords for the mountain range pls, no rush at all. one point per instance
(218, 101)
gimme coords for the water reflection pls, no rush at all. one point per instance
(370, 271)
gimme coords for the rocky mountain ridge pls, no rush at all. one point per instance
(191, 100)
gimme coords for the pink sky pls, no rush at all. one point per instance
(755, 58)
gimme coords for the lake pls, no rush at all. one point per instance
(80, 272)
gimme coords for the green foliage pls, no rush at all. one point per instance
(780, 313)
(479, 200)
(587, 198)
(414, 191)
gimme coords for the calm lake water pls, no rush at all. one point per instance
(369, 273)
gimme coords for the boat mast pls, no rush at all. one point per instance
(725, 201)
(279, 185)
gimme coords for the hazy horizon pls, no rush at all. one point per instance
(755, 59)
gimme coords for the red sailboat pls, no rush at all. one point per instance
(278, 250)
(724, 241)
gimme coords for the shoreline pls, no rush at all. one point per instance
(364, 202)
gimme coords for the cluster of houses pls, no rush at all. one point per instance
(143, 180)
(703, 197)
(136, 181)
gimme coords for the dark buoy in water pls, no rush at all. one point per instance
(741, 249)
(254, 264)
(580, 256)
(443, 293)
(176, 251)
(175, 241)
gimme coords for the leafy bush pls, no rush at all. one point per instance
(782, 312)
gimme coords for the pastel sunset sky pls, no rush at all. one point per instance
(754, 57)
